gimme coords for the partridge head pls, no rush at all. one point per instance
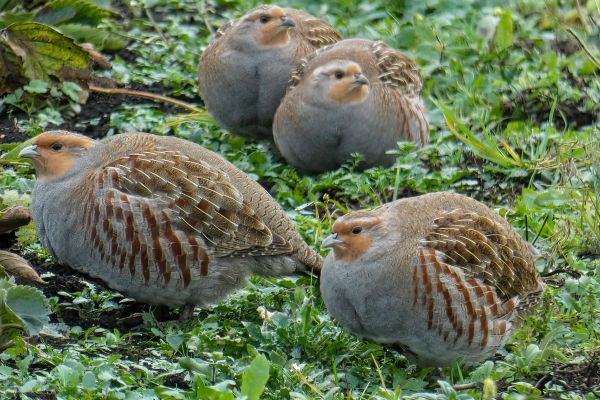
(440, 277)
(160, 219)
(355, 96)
(244, 72)
(336, 83)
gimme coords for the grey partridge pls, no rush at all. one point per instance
(244, 72)
(439, 276)
(355, 96)
(160, 219)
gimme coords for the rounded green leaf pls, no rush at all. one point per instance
(30, 305)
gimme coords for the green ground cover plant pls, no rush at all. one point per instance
(513, 96)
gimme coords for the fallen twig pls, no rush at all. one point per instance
(470, 385)
(149, 95)
(543, 380)
(304, 379)
(587, 51)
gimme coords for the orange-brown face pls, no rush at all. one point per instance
(348, 84)
(273, 26)
(353, 236)
(54, 153)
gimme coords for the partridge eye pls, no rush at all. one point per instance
(339, 74)
(356, 230)
(264, 19)
(57, 146)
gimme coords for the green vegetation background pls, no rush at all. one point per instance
(513, 93)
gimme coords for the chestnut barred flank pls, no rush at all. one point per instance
(479, 267)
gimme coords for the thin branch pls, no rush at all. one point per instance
(583, 16)
(555, 272)
(204, 12)
(149, 95)
(584, 47)
(540, 231)
(465, 386)
(305, 380)
(155, 25)
(543, 380)
(6, 345)
(378, 371)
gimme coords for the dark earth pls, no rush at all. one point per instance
(98, 107)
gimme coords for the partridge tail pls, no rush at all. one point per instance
(311, 261)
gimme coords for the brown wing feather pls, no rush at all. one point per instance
(223, 29)
(486, 250)
(396, 69)
(298, 72)
(190, 196)
(318, 33)
(312, 35)
(402, 89)
(482, 274)
(300, 69)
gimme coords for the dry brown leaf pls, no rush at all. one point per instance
(18, 266)
(14, 217)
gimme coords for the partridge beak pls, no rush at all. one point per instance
(29, 151)
(331, 241)
(360, 79)
(287, 22)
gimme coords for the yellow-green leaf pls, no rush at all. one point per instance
(255, 377)
(503, 37)
(44, 51)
